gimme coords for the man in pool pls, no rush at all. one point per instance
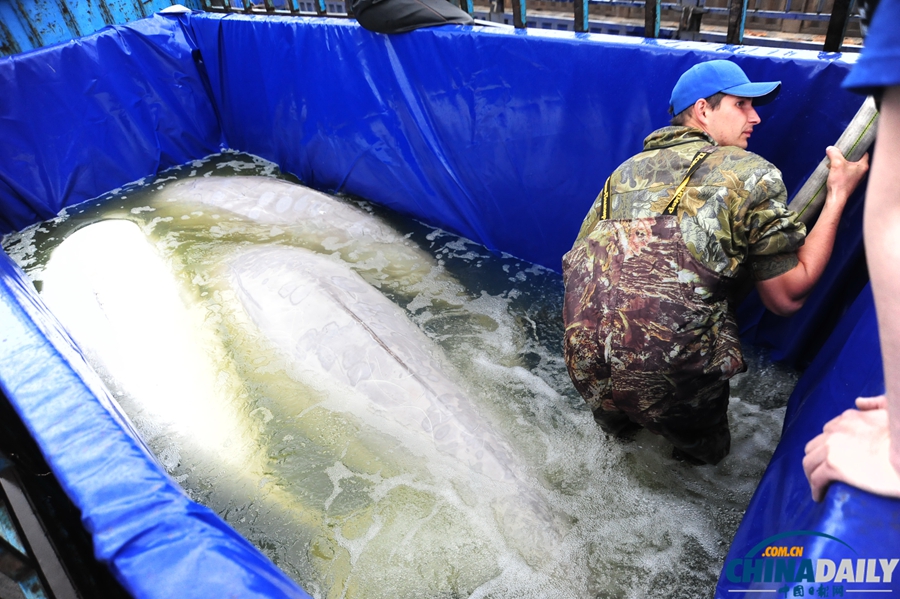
(651, 340)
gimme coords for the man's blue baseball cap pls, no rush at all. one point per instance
(714, 76)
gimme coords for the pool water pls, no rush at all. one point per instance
(343, 502)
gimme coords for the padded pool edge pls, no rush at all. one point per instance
(157, 542)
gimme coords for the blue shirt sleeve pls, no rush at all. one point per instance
(879, 64)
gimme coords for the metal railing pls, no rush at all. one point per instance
(688, 14)
(30, 24)
(280, 7)
(737, 12)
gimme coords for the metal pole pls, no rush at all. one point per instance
(518, 14)
(837, 25)
(51, 570)
(691, 15)
(651, 18)
(581, 16)
(498, 9)
(737, 17)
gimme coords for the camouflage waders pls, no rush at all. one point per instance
(641, 344)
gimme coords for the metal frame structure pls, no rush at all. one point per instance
(25, 26)
(27, 556)
(301, 8)
(45, 550)
(690, 16)
(738, 11)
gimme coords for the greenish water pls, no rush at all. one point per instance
(336, 499)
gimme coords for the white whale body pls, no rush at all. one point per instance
(123, 307)
(271, 201)
(134, 312)
(152, 343)
(269, 210)
(337, 328)
(333, 323)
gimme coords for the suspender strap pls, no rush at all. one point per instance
(699, 157)
(604, 210)
(679, 191)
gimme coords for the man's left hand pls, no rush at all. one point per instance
(854, 448)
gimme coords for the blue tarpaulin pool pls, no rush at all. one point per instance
(501, 135)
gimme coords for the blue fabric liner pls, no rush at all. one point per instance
(158, 543)
(90, 115)
(847, 367)
(797, 339)
(504, 136)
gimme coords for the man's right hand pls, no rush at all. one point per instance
(843, 176)
(786, 293)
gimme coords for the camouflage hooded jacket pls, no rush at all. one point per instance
(732, 215)
(648, 292)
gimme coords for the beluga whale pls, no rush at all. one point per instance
(339, 332)
(161, 353)
(316, 220)
(290, 394)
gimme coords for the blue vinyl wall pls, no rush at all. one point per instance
(503, 136)
(848, 524)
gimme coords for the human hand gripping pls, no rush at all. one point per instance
(854, 448)
(786, 293)
(843, 175)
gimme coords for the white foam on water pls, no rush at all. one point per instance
(353, 506)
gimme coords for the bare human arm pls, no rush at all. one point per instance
(861, 447)
(786, 293)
